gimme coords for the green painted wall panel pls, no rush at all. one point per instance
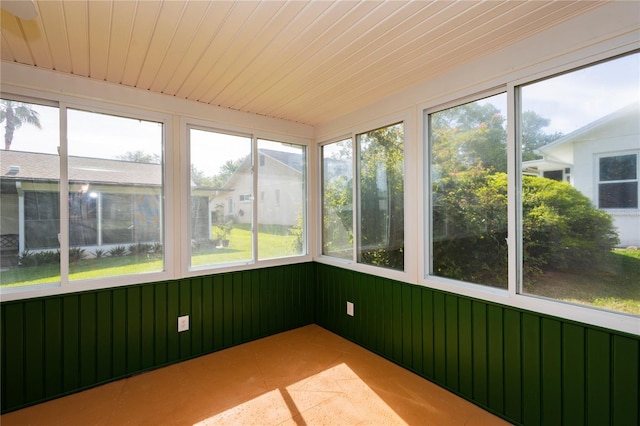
(531, 374)
(573, 377)
(512, 365)
(195, 315)
(133, 346)
(417, 354)
(439, 339)
(53, 346)
(13, 355)
(465, 348)
(551, 369)
(480, 353)
(160, 326)
(451, 342)
(71, 343)
(147, 321)
(428, 349)
(531, 369)
(173, 312)
(495, 358)
(88, 343)
(61, 344)
(34, 349)
(626, 383)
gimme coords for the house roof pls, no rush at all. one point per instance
(46, 167)
(303, 61)
(631, 111)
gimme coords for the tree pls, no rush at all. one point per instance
(14, 115)
(533, 137)
(139, 157)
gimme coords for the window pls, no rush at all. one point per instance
(618, 182)
(468, 192)
(337, 204)
(220, 173)
(281, 216)
(115, 195)
(112, 206)
(381, 197)
(29, 195)
(572, 249)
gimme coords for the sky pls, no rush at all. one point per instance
(570, 101)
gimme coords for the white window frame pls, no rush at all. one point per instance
(599, 182)
(64, 103)
(187, 123)
(408, 118)
(514, 296)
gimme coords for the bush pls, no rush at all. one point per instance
(118, 251)
(561, 228)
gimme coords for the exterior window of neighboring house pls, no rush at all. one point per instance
(115, 192)
(29, 194)
(468, 192)
(220, 172)
(618, 182)
(281, 218)
(337, 195)
(553, 174)
(574, 235)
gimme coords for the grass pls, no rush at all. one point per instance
(272, 244)
(614, 286)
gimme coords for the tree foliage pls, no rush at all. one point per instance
(562, 230)
(14, 115)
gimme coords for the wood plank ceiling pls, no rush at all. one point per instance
(304, 61)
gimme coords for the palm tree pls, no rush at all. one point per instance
(15, 114)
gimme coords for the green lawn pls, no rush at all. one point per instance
(272, 244)
(615, 286)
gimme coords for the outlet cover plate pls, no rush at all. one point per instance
(183, 323)
(350, 309)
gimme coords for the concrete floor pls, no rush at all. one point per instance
(307, 376)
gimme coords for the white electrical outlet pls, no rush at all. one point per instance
(183, 323)
(350, 309)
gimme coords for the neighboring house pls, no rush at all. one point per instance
(602, 161)
(280, 190)
(111, 202)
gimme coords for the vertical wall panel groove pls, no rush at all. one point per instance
(61, 344)
(529, 368)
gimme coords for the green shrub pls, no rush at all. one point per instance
(561, 228)
(118, 251)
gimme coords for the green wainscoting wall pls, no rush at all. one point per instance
(528, 368)
(56, 345)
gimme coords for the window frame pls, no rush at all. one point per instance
(513, 296)
(410, 150)
(599, 183)
(65, 285)
(184, 263)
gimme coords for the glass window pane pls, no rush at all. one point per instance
(29, 195)
(588, 123)
(221, 198)
(115, 195)
(381, 197)
(281, 210)
(468, 150)
(337, 199)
